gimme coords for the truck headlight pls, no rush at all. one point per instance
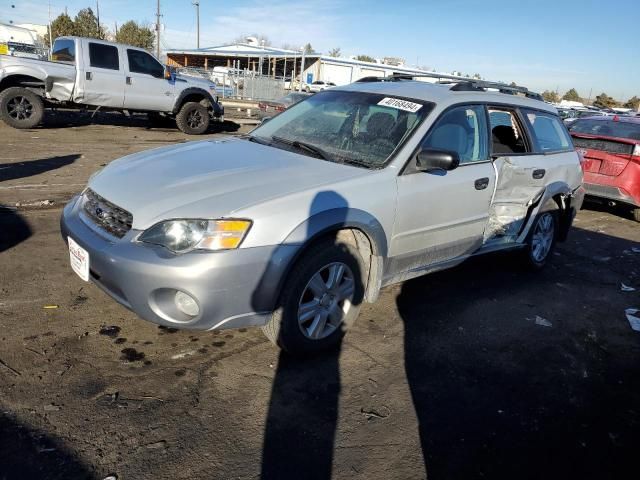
(181, 236)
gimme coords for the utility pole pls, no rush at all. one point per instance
(50, 40)
(301, 70)
(98, 16)
(116, 28)
(158, 30)
(196, 3)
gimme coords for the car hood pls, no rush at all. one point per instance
(210, 179)
(196, 81)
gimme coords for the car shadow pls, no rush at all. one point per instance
(30, 454)
(13, 171)
(499, 391)
(74, 118)
(13, 229)
(601, 206)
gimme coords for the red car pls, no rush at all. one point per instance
(610, 147)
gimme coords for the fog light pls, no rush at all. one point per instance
(186, 304)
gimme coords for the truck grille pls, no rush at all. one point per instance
(603, 145)
(109, 217)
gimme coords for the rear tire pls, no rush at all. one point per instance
(193, 118)
(314, 312)
(21, 108)
(541, 241)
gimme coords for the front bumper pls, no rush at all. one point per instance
(233, 288)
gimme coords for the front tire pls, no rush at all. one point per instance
(193, 118)
(21, 108)
(320, 299)
(541, 241)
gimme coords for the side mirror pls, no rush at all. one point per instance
(167, 73)
(428, 160)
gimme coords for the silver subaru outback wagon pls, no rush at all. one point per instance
(295, 225)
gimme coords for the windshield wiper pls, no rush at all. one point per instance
(303, 146)
(256, 139)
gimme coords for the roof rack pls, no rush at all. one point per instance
(460, 84)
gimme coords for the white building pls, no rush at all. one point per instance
(279, 62)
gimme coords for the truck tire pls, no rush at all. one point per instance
(320, 299)
(21, 108)
(193, 118)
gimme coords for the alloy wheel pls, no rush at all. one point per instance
(326, 301)
(20, 108)
(542, 239)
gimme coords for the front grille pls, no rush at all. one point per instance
(603, 145)
(109, 217)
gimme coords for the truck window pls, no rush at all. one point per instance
(103, 56)
(64, 50)
(141, 62)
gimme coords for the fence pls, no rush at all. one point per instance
(242, 84)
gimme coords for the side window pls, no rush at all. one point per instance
(103, 56)
(141, 62)
(462, 130)
(506, 133)
(64, 50)
(549, 131)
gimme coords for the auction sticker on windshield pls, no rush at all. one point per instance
(405, 105)
(79, 259)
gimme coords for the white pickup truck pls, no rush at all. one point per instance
(86, 72)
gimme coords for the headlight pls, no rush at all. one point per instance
(183, 235)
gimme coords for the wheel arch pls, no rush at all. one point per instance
(193, 94)
(23, 80)
(347, 225)
(555, 197)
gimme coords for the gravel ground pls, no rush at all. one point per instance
(482, 371)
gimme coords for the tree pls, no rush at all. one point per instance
(604, 101)
(365, 58)
(572, 96)
(334, 52)
(633, 102)
(86, 25)
(135, 34)
(61, 26)
(477, 76)
(308, 49)
(550, 96)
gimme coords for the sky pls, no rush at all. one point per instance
(590, 45)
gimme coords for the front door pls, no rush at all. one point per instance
(103, 75)
(146, 87)
(441, 215)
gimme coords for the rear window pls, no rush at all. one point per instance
(608, 128)
(549, 131)
(64, 50)
(103, 56)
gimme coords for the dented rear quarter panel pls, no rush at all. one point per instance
(59, 78)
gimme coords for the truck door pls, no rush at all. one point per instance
(146, 88)
(102, 75)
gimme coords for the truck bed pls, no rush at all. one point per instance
(59, 78)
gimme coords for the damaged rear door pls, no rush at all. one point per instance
(527, 148)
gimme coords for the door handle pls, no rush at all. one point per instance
(482, 183)
(539, 173)
(88, 76)
(128, 80)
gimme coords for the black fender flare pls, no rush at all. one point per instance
(217, 108)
